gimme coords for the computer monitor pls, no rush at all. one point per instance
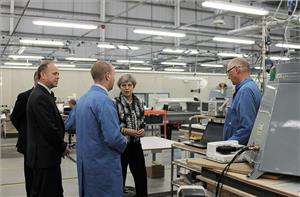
(214, 132)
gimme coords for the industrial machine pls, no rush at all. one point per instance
(277, 126)
(214, 154)
(214, 107)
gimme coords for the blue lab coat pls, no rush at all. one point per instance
(99, 145)
(241, 115)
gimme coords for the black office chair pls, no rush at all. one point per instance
(71, 133)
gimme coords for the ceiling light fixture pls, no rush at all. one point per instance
(291, 46)
(66, 65)
(42, 42)
(21, 50)
(134, 48)
(279, 58)
(106, 46)
(159, 33)
(174, 69)
(81, 59)
(232, 55)
(17, 63)
(192, 51)
(174, 63)
(235, 7)
(177, 51)
(258, 68)
(130, 61)
(233, 40)
(212, 65)
(124, 47)
(64, 24)
(26, 57)
(140, 68)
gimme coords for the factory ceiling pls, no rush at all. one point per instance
(79, 32)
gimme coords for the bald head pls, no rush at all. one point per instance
(103, 73)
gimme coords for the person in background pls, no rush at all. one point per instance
(45, 135)
(131, 115)
(99, 141)
(19, 120)
(70, 122)
(240, 118)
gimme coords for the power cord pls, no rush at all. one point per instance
(219, 186)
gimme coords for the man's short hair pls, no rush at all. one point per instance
(99, 69)
(42, 68)
(35, 76)
(125, 79)
(242, 62)
(72, 101)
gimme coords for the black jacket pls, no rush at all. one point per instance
(45, 136)
(19, 120)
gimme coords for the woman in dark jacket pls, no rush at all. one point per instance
(131, 114)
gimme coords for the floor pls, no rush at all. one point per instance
(12, 179)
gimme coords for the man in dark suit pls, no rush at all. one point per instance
(19, 120)
(45, 139)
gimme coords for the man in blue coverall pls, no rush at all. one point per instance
(241, 115)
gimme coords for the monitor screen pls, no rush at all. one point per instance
(204, 106)
(214, 131)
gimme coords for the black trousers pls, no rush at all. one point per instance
(47, 182)
(134, 156)
(28, 177)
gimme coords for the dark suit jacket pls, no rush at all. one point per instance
(45, 136)
(19, 120)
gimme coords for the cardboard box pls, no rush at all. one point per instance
(155, 170)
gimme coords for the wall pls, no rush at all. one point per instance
(76, 83)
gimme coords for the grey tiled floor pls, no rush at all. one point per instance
(12, 178)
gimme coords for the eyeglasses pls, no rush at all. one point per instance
(230, 69)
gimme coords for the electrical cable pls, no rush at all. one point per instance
(225, 170)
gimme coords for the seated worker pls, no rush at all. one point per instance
(70, 121)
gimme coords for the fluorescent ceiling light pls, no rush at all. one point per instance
(131, 61)
(235, 7)
(233, 40)
(140, 68)
(18, 63)
(174, 63)
(292, 46)
(42, 42)
(212, 65)
(64, 24)
(25, 57)
(258, 68)
(66, 65)
(174, 69)
(159, 33)
(191, 51)
(106, 46)
(123, 47)
(81, 59)
(232, 55)
(173, 50)
(21, 50)
(279, 58)
(134, 48)
(128, 47)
